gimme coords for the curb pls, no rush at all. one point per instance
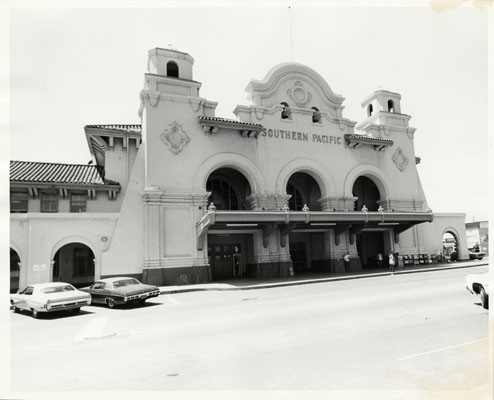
(311, 281)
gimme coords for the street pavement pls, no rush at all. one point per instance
(411, 332)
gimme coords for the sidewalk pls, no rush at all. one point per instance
(303, 279)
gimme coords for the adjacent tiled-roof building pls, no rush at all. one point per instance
(56, 173)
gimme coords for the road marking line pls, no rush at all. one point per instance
(441, 349)
(94, 328)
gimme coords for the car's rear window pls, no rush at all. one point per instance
(125, 282)
(57, 289)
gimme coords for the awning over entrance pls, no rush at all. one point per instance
(286, 221)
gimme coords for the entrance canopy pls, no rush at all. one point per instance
(287, 220)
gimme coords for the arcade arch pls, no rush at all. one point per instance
(233, 161)
(229, 189)
(15, 264)
(304, 190)
(310, 168)
(367, 194)
(74, 262)
(371, 244)
(374, 174)
(451, 244)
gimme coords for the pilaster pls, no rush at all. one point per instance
(152, 222)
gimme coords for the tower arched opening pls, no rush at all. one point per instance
(172, 69)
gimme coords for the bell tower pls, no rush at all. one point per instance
(383, 108)
(170, 63)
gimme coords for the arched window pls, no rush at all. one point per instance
(223, 195)
(295, 202)
(285, 111)
(172, 69)
(367, 194)
(303, 189)
(369, 110)
(391, 106)
(316, 115)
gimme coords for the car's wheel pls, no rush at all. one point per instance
(110, 303)
(481, 257)
(35, 313)
(76, 310)
(141, 301)
(15, 309)
(484, 298)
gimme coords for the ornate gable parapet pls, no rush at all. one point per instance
(303, 84)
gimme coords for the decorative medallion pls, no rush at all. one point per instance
(175, 137)
(298, 94)
(195, 104)
(259, 113)
(400, 159)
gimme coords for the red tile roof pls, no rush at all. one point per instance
(42, 172)
(118, 127)
(230, 121)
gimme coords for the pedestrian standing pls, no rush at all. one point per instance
(392, 262)
(379, 260)
(346, 261)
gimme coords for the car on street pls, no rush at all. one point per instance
(478, 284)
(120, 290)
(49, 297)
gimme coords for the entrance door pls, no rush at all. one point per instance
(225, 260)
(369, 245)
(298, 253)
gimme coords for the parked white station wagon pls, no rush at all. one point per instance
(49, 297)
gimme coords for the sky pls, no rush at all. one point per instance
(72, 67)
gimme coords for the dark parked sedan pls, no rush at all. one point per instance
(121, 290)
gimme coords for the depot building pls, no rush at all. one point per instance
(287, 188)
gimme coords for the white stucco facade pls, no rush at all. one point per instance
(294, 185)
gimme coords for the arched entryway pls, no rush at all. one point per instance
(229, 189)
(450, 246)
(367, 194)
(304, 190)
(74, 263)
(370, 243)
(15, 265)
(228, 249)
(306, 249)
